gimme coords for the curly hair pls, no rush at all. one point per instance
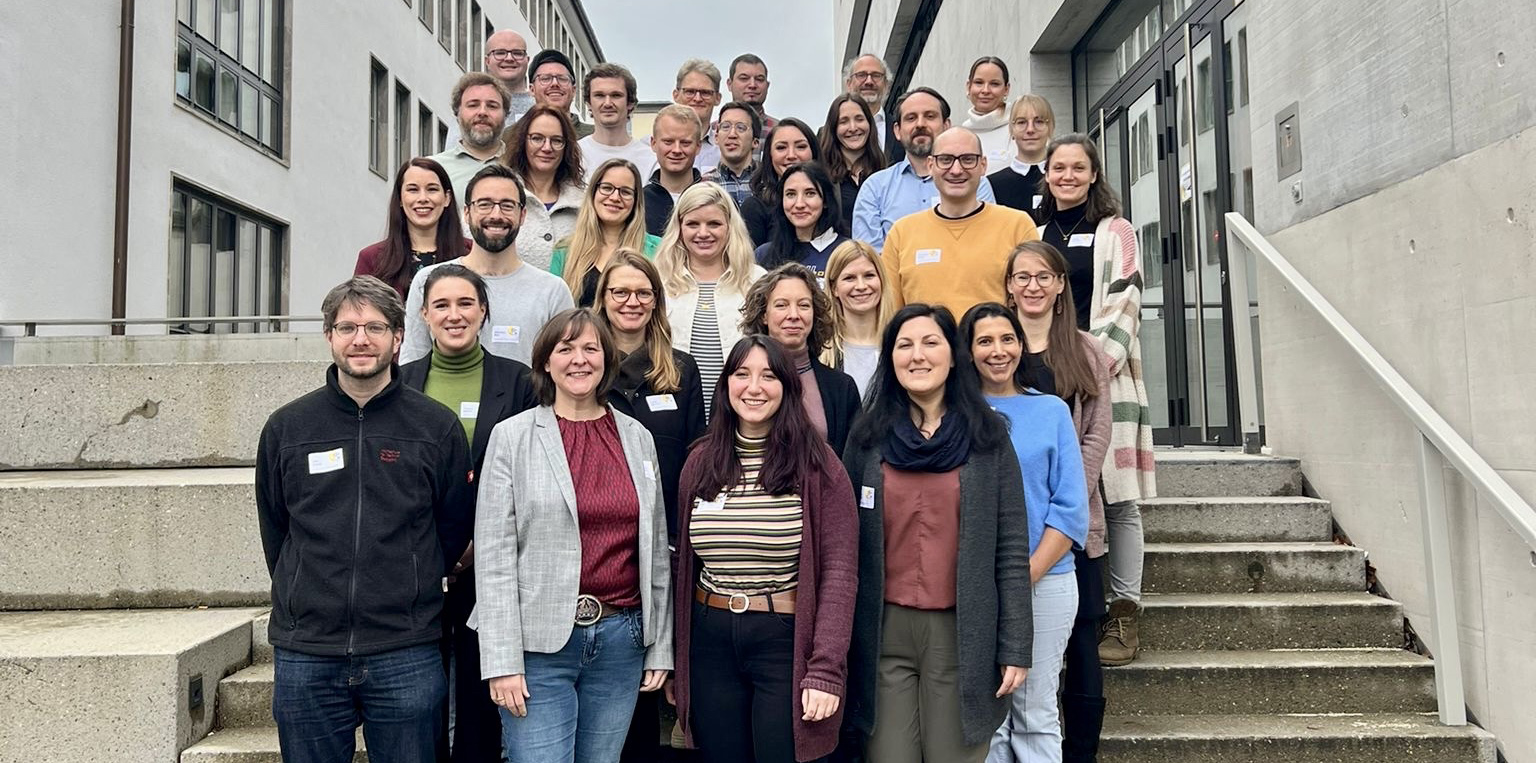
(754, 314)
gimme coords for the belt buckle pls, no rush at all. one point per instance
(588, 610)
(745, 603)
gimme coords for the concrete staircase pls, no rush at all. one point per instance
(1259, 641)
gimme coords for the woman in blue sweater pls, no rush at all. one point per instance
(1045, 440)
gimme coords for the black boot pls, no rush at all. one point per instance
(1082, 718)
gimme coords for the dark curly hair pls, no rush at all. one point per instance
(754, 314)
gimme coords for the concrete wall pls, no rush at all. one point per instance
(1417, 222)
(173, 348)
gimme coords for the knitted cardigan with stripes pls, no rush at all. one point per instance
(1115, 318)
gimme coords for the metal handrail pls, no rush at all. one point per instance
(1439, 443)
(29, 325)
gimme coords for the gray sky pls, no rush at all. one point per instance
(794, 37)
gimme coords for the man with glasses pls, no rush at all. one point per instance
(736, 135)
(610, 93)
(675, 139)
(480, 105)
(906, 186)
(522, 297)
(955, 254)
(867, 78)
(553, 81)
(363, 499)
(698, 88)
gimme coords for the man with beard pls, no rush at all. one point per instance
(867, 78)
(552, 80)
(506, 59)
(480, 104)
(522, 297)
(610, 91)
(736, 133)
(955, 254)
(364, 499)
(906, 186)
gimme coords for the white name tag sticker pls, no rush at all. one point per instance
(326, 461)
(927, 256)
(650, 470)
(716, 505)
(1080, 239)
(469, 409)
(661, 402)
(866, 497)
(1035, 204)
(501, 334)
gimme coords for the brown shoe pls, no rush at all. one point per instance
(1119, 637)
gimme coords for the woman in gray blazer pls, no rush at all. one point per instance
(574, 613)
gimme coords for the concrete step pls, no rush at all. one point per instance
(1252, 568)
(1304, 681)
(245, 698)
(1348, 738)
(1181, 621)
(1234, 520)
(1182, 472)
(257, 744)
(261, 646)
(136, 538)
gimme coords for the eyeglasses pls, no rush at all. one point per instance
(552, 79)
(696, 94)
(375, 329)
(730, 127)
(1040, 123)
(1046, 279)
(644, 296)
(967, 161)
(555, 141)
(503, 53)
(609, 189)
(871, 76)
(484, 206)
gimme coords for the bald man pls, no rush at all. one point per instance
(956, 253)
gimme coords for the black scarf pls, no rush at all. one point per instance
(946, 450)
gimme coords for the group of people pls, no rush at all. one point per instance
(828, 439)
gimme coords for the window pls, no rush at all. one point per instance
(224, 261)
(229, 65)
(490, 29)
(424, 12)
(378, 119)
(1205, 107)
(442, 136)
(460, 35)
(424, 131)
(402, 124)
(1242, 62)
(445, 24)
(476, 42)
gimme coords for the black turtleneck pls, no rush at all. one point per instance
(1065, 227)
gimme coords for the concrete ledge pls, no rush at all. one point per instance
(1345, 738)
(148, 538)
(1180, 621)
(175, 348)
(124, 416)
(83, 686)
(1236, 520)
(1252, 567)
(248, 745)
(1199, 473)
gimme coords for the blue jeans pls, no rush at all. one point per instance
(1032, 731)
(580, 698)
(397, 697)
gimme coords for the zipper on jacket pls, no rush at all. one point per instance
(357, 540)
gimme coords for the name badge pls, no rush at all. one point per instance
(650, 470)
(1035, 204)
(661, 402)
(469, 410)
(867, 497)
(927, 256)
(1080, 239)
(500, 334)
(716, 505)
(326, 461)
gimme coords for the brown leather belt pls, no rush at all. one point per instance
(589, 610)
(782, 602)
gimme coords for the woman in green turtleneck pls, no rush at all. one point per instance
(483, 389)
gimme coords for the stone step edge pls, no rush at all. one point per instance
(1283, 727)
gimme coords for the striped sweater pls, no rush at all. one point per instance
(1115, 319)
(748, 541)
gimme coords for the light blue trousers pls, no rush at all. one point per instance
(1032, 731)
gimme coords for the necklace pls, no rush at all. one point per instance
(1067, 235)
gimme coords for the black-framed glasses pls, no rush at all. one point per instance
(609, 189)
(374, 329)
(697, 94)
(871, 76)
(1046, 279)
(551, 79)
(507, 206)
(504, 53)
(967, 161)
(555, 141)
(621, 295)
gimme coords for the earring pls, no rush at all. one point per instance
(1058, 305)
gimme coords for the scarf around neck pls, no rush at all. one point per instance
(946, 450)
(984, 122)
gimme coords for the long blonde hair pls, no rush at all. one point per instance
(664, 376)
(672, 253)
(585, 244)
(844, 255)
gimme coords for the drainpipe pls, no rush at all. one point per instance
(124, 149)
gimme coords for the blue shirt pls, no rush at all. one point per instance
(1055, 489)
(894, 193)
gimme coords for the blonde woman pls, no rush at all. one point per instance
(856, 282)
(706, 264)
(612, 217)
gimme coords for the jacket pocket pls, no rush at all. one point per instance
(290, 604)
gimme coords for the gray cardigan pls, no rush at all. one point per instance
(993, 611)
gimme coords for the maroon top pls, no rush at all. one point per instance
(922, 537)
(370, 257)
(607, 510)
(828, 584)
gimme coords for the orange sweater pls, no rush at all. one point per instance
(954, 263)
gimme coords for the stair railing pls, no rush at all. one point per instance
(1438, 444)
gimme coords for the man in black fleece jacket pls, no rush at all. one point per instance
(364, 497)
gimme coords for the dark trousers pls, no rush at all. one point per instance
(742, 686)
(477, 722)
(1082, 680)
(397, 697)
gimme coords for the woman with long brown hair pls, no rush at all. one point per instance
(541, 150)
(850, 149)
(423, 227)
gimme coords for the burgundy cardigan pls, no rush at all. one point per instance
(368, 262)
(828, 584)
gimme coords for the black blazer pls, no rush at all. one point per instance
(506, 389)
(674, 424)
(839, 400)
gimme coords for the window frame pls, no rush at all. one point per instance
(267, 98)
(378, 117)
(402, 127)
(272, 277)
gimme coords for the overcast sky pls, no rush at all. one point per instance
(794, 37)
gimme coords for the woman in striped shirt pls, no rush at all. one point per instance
(766, 572)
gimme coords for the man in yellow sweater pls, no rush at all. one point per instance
(955, 254)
